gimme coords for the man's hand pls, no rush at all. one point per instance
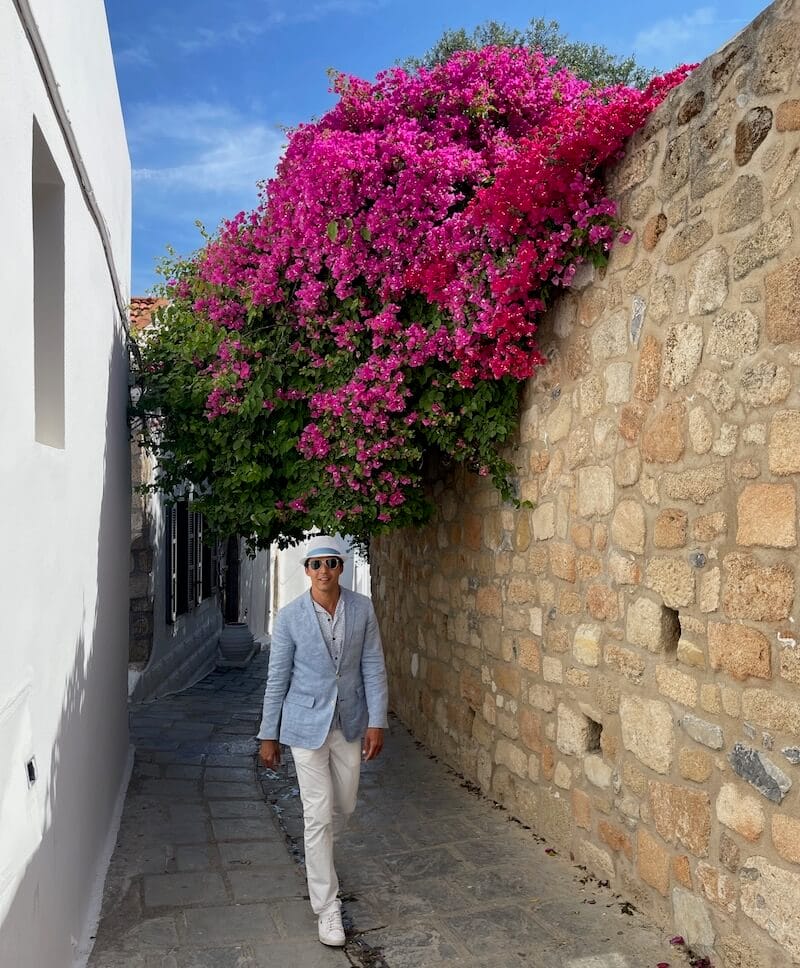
(373, 743)
(270, 753)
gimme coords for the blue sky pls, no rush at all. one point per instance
(208, 87)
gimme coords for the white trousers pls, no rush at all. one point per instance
(328, 780)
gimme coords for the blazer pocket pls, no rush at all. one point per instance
(360, 692)
(300, 699)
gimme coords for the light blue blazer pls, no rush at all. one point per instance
(303, 687)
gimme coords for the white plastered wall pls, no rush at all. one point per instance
(64, 577)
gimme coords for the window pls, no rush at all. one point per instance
(191, 564)
(48, 293)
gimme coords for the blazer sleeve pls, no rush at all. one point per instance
(279, 675)
(373, 673)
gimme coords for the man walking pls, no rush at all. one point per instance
(326, 698)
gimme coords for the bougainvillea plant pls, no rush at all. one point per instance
(382, 302)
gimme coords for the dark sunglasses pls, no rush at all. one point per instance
(316, 563)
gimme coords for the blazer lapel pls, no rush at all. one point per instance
(316, 631)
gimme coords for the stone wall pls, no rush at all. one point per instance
(620, 664)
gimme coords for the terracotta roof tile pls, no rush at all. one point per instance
(142, 309)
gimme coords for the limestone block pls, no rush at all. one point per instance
(673, 579)
(663, 439)
(677, 685)
(694, 765)
(596, 859)
(750, 132)
(688, 239)
(563, 560)
(559, 421)
(690, 654)
(734, 335)
(767, 516)
(769, 241)
(711, 176)
(628, 526)
(586, 644)
(769, 896)
(670, 528)
(683, 347)
(628, 663)
(779, 47)
(783, 303)
(717, 389)
(562, 776)
(542, 697)
(681, 815)
(595, 490)
(530, 729)
(597, 771)
(740, 812)
(552, 669)
(488, 601)
(543, 521)
(785, 176)
(610, 337)
(662, 296)
(708, 282)
(618, 382)
(743, 203)
(647, 731)
(787, 117)
(582, 809)
(653, 861)
(726, 441)
(786, 836)
(616, 838)
(709, 526)
(709, 734)
(637, 277)
(521, 591)
(759, 771)
(691, 920)
(763, 594)
(718, 887)
(784, 442)
(624, 570)
(709, 594)
(652, 626)
(675, 167)
(701, 430)
(573, 732)
(509, 755)
(654, 228)
(764, 383)
(627, 466)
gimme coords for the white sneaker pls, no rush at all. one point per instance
(331, 931)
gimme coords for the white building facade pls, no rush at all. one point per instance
(64, 473)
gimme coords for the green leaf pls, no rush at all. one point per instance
(333, 230)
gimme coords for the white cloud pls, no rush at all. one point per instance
(277, 14)
(211, 148)
(673, 31)
(692, 34)
(137, 55)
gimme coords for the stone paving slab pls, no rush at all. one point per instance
(207, 871)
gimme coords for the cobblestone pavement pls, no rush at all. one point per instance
(207, 868)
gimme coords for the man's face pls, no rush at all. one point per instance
(323, 577)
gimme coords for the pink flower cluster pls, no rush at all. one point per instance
(422, 226)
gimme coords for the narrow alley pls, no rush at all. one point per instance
(207, 868)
